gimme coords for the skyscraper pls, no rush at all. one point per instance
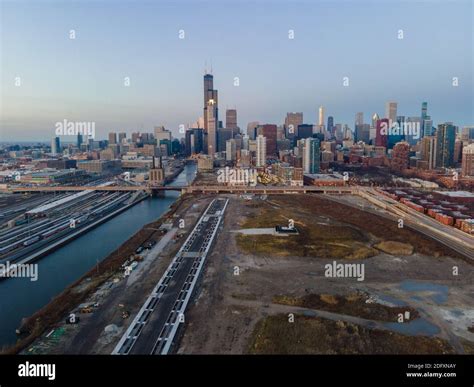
(292, 121)
(391, 112)
(161, 134)
(269, 131)
(230, 150)
(305, 131)
(261, 151)
(55, 146)
(211, 118)
(231, 119)
(311, 155)
(359, 119)
(211, 121)
(424, 110)
(467, 168)
(79, 140)
(445, 137)
(321, 116)
(381, 137)
(428, 151)
(331, 125)
(112, 138)
(375, 118)
(121, 137)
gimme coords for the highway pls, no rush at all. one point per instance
(155, 326)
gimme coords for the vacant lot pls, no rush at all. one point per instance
(250, 279)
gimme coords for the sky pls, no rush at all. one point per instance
(82, 79)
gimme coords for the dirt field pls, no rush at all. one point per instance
(245, 273)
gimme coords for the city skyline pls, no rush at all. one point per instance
(87, 86)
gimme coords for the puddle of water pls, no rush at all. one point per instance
(420, 326)
(391, 301)
(439, 292)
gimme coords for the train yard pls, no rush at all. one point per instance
(35, 231)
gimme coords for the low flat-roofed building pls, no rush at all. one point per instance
(323, 180)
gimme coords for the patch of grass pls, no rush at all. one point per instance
(308, 335)
(395, 248)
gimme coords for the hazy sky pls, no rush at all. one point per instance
(83, 79)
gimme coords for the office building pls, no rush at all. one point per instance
(231, 119)
(467, 165)
(445, 138)
(261, 151)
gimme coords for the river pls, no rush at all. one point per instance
(20, 297)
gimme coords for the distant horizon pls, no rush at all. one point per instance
(82, 79)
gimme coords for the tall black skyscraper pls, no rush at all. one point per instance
(210, 114)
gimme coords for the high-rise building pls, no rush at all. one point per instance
(305, 131)
(445, 138)
(467, 166)
(79, 140)
(381, 134)
(311, 155)
(391, 111)
(428, 151)
(211, 117)
(362, 133)
(112, 138)
(359, 119)
(269, 131)
(331, 125)
(231, 119)
(424, 110)
(211, 123)
(194, 141)
(321, 116)
(292, 121)
(55, 146)
(427, 126)
(224, 135)
(467, 133)
(161, 134)
(261, 153)
(230, 150)
(375, 118)
(252, 129)
(121, 137)
(396, 134)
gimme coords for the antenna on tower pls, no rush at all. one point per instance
(211, 66)
(205, 67)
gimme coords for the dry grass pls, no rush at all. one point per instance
(395, 248)
(307, 335)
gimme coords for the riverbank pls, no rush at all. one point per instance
(60, 306)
